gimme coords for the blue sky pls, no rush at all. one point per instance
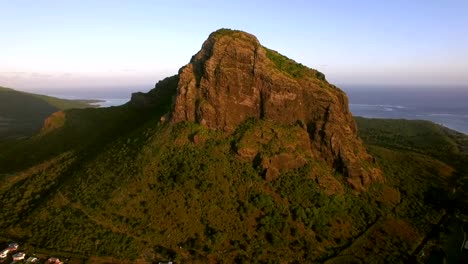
(103, 44)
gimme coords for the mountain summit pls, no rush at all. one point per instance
(233, 78)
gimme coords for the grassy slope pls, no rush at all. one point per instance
(53, 159)
(415, 153)
(149, 188)
(83, 130)
(291, 67)
(419, 136)
(22, 114)
(184, 179)
(63, 104)
(59, 103)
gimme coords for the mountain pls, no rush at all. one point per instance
(233, 78)
(22, 114)
(244, 156)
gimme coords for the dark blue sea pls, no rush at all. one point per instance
(445, 106)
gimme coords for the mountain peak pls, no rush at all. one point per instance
(234, 78)
(233, 33)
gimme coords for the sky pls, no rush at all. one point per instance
(68, 45)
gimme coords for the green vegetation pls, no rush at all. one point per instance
(426, 162)
(224, 32)
(65, 104)
(59, 103)
(441, 146)
(22, 114)
(283, 63)
(181, 193)
(191, 200)
(233, 33)
(85, 130)
(118, 182)
(291, 67)
(418, 136)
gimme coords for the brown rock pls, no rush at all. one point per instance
(330, 185)
(233, 78)
(199, 139)
(157, 97)
(389, 196)
(247, 153)
(272, 174)
(53, 122)
(281, 162)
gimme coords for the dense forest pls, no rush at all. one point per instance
(183, 193)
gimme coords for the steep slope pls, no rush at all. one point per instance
(22, 114)
(233, 78)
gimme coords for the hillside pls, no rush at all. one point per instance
(395, 143)
(244, 156)
(22, 114)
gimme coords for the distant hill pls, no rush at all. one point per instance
(417, 135)
(22, 114)
(245, 156)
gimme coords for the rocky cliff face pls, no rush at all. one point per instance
(233, 77)
(157, 97)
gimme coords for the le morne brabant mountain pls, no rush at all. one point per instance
(244, 156)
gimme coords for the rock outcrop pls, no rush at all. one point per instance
(157, 97)
(233, 77)
(53, 122)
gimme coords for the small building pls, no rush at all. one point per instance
(54, 260)
(4, 253)
(19, 256)
(12, 247)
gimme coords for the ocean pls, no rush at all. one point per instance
(104, 102)
(108, 97)
(445, 106)
(107, 102)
